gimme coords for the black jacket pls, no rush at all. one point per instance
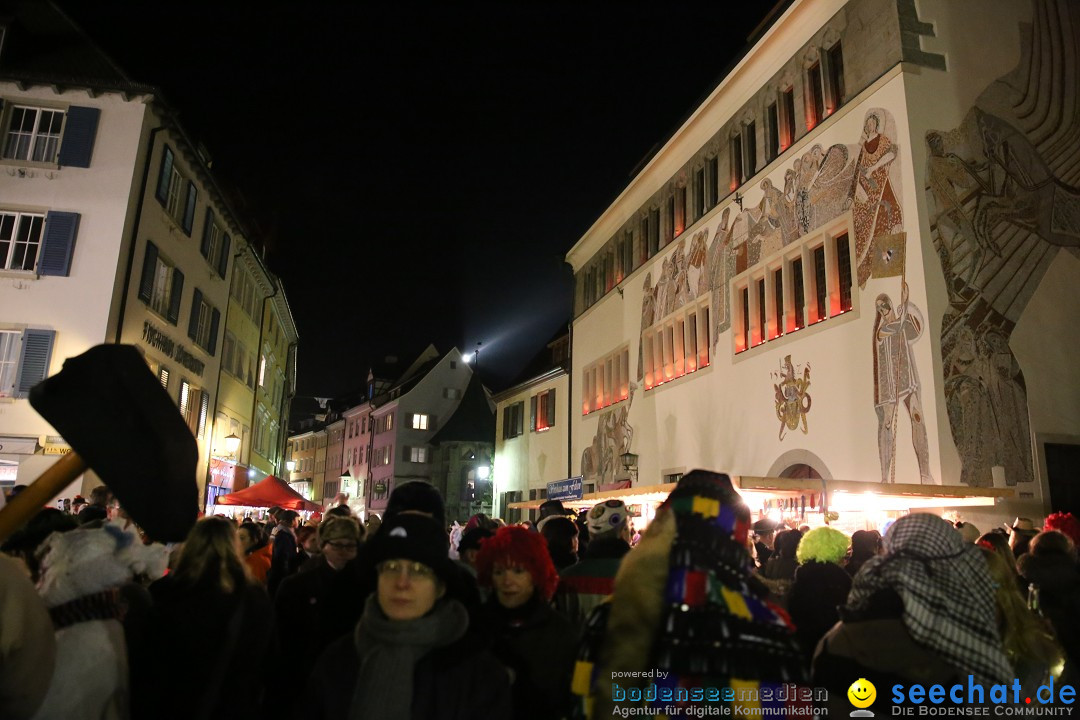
(816, 595)
(462, 681)
(539, 647)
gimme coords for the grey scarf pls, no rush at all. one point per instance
(389, 651)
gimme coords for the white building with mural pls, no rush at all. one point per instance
(855, 260)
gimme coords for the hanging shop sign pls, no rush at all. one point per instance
(569, 489)
(10, 445)
(158, 340)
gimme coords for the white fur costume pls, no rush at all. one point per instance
(91, 677)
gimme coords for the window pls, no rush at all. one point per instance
(542, 410)
(606, 381)
(161, 285)
(843, 266)
(669, 220)
(677, 345)
(194, 405)
(203, 323)
(419, 421)
(163, 376)
(750, 145)
(416, 454)
(513, 420)
(820, 286)
(836, 75)
(815, 106)
(33, 134)
(451, 393)
(215, 244)
(699, 193)
(736, 161)
(777, 327)
(680, 211)
(772, 139)
(175, 192)
(20, 239)
(787, 118)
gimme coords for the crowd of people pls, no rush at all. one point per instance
(405, 617)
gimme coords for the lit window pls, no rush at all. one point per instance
(815, 105)
(543, 410)
(418, 455)
(677, 346)
(607, 381)
(420, 422)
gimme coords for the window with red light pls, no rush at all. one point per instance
(542, 410)
(676, 346)
(815, 102)
(605, 381)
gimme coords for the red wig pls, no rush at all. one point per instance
(515, 546)
(1066, 524)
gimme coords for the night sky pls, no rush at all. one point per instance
(419, 173)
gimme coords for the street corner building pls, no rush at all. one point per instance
(114, 230)
(854, 260)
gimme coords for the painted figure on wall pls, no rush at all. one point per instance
(896, 382)
(614, 436)
(648, 317)
(875, 208)
(1004, 193)
(792, 397)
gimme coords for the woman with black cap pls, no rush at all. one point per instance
(411, 655)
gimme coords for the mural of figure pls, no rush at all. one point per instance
(875, 208)
(599, 461)
(897, 381)
(971, 411)
(1008, 396)
(665, 295)
(698, 272)
(719, 273)
(804, 179)
(950, 180)
(680, 281)
(648, 317)
(792, 397)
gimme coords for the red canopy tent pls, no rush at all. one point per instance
(268, 493)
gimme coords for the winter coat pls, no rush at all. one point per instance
(184, 645)
(462, 681)
(875, 644)
(814, 601)
(1059, 598)
(585, 585)
(538, 646)
(258, 560)
(285, 560)
(27, 643)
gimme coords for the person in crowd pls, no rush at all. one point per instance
(561, 535)
(865, 544)
(922, 612)
(286, 555)
(997, 541)
(968, 531)
(481, 520)
(372, 524)
(1027, 638)
(24, 542)
(531, 639)
(764, 535)
(1066, 524)
(27, 644)
(1049, 571)
(469, 547)
(209, 647)
(527, 524)
(779, 572)
(551, 508)
(272, 522)
(585, 585)
(821, 586)
(419, 497)
(98, 509)
(322, 602)
(341, 510)
(308, 540)
(1020, 535)
(77, 504)
(257, 551)
(413, 653)
(582, 522)
(686, 604)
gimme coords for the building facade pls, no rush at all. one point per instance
(852, 261)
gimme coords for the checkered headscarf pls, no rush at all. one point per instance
(947, 592)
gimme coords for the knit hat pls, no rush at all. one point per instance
(550, 509)
(683, 603)
(609, 516)
(947, 592)
(409, 536)
(1065, 523)
(472, 538)
(335, 528)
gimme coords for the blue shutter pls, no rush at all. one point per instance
(146, 285)
(223, 259)
(215, 318)
(174, 297)
(163, 177)
(207, 227)
(193, 321)
(33, 359)
(80, 129)
(56, 250)
(189, 211)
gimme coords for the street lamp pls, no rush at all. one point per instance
(232, 444)
(483, 472)
(629, 461)
(290, 465)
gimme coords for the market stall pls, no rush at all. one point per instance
(270, 492)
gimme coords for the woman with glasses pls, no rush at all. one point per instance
(324, 600)
(536, 643)
(411, 655)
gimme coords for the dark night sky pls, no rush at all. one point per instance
(423, 171)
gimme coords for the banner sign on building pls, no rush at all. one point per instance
(569, 489)
(222, 473)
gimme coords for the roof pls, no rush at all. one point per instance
(472, 421)
(267, 493)
(42, 44)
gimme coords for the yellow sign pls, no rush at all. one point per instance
(51, 449)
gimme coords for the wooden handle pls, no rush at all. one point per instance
(31, 500)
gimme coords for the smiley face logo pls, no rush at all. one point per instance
(862, 693)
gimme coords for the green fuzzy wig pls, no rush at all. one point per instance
(823, 544)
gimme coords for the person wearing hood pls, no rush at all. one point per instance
(921, 613)
(412, 654)
(585, 585)
(531, 639)
(1050, 573)
(865, 544)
